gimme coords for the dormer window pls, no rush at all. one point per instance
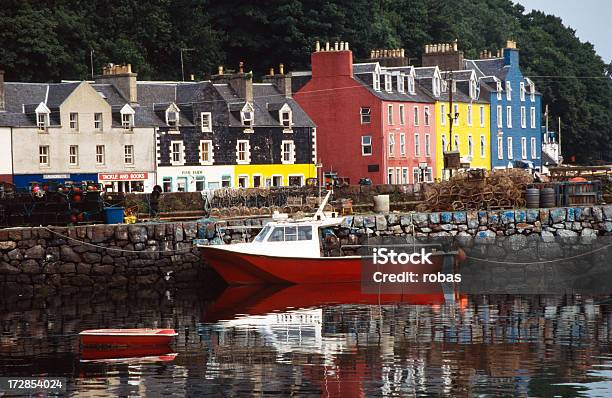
(436, 86)
(411, 84)
(206, 122)
(400, 83)
(522, 91)
(127, 117)
(454, 86)
(376, 81)
(508, 91)
(286, 117)
(532, 92)
(246, 115)
(499, 90)
(42, 117)
(172, 116)
(388, 83)
(473, 89)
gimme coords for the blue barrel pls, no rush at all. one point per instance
(113, 215)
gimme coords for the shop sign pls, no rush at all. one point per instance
(122, 176)
(55, 176)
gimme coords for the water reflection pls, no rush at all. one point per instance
(326, 340)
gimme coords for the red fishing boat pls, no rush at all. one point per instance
(289, 252)
(127, 337)
(137, 354)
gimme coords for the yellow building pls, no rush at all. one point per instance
(273, 175)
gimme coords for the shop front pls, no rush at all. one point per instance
(273, 175)
(140, 181)
(195, 179)
(26, 180)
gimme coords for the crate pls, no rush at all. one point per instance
(581, 193)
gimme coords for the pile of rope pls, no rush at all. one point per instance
(478, 190)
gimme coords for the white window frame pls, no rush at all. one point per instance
(291, 153)
(405, 176)
(400, 83)
(209, 153)
(402, 144)
(173, 124)
(483, 146)
(365, 145)
(523, 147)
(508, 91)
(73, 155)
(416, 175)
(428, 145)
(500, 114)
(532, 115)
(44, 157)
(390, 114)
(499, 90)
(74, 121)
(534, 148)
(285, 116)
(523, 117)
(426, 117)
(98, 121)
(482, 116)
(411, 85)
(247, 152)
(402, 118)
(455, 114)
(500, 148)
(247, 115)
(127, 121)
(429, 174)
(243, 177)
(376, 81)
(522, 91)
(470, 146)
(388, 83)
(100, 155)
(180, 152)
(469, 114)
(417, 145)
(391, 145)
(390, 175)
(532, 92)
(443, 114)
(42, 121)
(510, 148)
(509, 116)
(206, 117)
(398, 175)
(128, 155)
(365, 112)
(415, 113)
(457, 143)
(444, 143)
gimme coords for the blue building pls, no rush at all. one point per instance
(516, 109)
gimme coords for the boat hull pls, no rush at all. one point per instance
(127, 337)
(238, 268)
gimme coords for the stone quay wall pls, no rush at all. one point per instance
(161, 256)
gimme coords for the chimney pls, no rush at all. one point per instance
(122, 78)
(446, 56)
(511, 53)
(241, 83)
(282, 81)
(2, 105)
(391, 57)
(330, 62)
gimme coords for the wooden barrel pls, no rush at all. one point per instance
(532, 197)
(547, 198)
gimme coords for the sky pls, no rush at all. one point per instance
(591, 19)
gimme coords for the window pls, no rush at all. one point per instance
(243, 155)
(509, 116)
(376, 81)
(416, 116)
(429, 174)
(400, 83)
(206, 122)
(127, 120)
(390, 175)
(206, 152)
(443, 115)
(176, 152)
(522, 91)
(128, 154)
(401, 114)
(388, 83)
(532, 119)
(73, 155)
(510, 149)
(508, 91)
(499, 116)
(304, 232)
(98, 121)
(411, 84)
(366, 145)
(42, 121)
(523, 117)
(226, 181)
(277, 181)
(256, 181)
(469, 114)
(417, 145)
(167, 184)
(444, 143)
(436, 85)
(288, 152)
(473, 89)
(405, 175)
(43, 155)
(456, 114)
(172, 117)
(390, 114)
(523, 147)
(457, 146)
(482, 116)
(532, 92)
(426, 121)
(398, 175)
(470, 146)
(246, 115)
(499, 90)
(483, 146)
(416, 175)
(366, 114)
(243, 181)
(200, 183)
(100, 155)
(286, 117)
(391, 144)
(427, 145)
(402, 144)
(296, 181)
(74, 121)
(500, 147)
(534, 148)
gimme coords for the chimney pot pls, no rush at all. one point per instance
(192, 77)
(271, 71)
(241, 67)
(336, 46)
(317, 46)
(371, 54)
(220, 70)
(402, 53)
(346, 46)
(281, 69)
(326, 46)
(455, 45)
(341, 46)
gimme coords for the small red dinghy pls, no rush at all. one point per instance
(127, 337)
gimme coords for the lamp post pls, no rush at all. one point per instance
(182, 64)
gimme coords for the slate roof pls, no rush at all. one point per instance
(424, 72)
(17, 94)
(369, 67)
(488, 67)
(58, 92)
(458, 75)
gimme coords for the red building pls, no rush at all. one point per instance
(372, 120)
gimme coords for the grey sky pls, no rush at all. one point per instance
(591, 19)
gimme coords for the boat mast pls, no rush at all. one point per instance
(319, 215)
